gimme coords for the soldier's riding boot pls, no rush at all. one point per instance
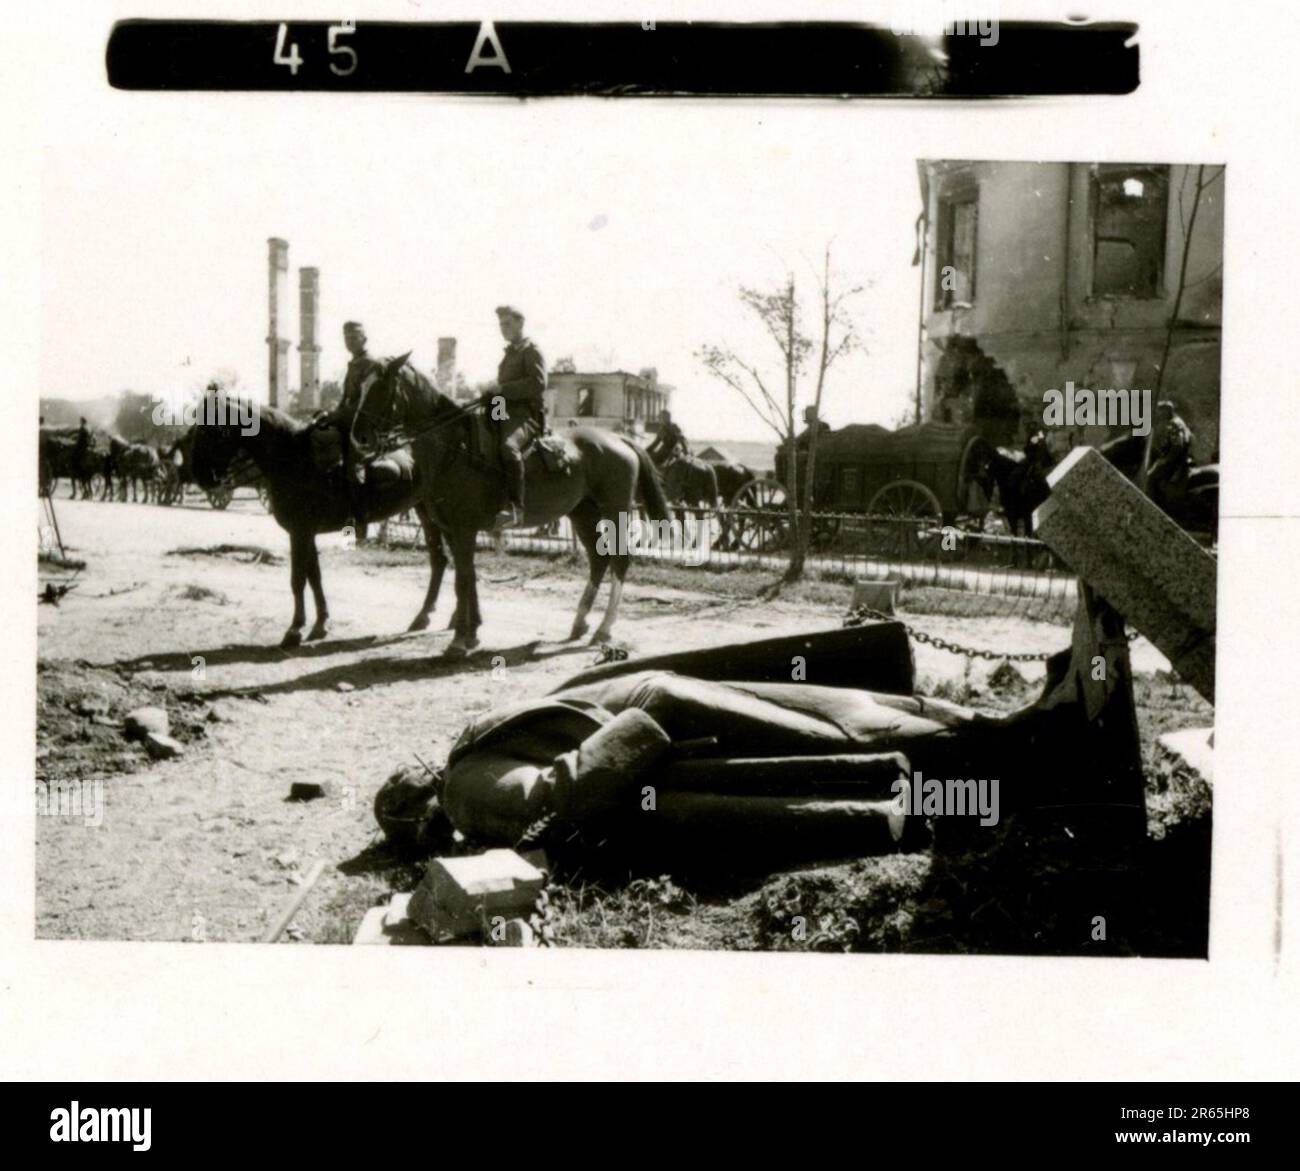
(353, 483)
(513, 468)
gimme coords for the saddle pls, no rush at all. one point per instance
(396, 466)
(554, 453)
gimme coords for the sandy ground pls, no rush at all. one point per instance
(207, 846)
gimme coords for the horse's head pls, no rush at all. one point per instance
(214, 441)
(401, 399)
(1038, 454)
(385, 400)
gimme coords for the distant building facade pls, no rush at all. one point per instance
(617, 400)
(1037, 274)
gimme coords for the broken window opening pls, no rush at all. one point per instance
(958, 220)
(1130, 219)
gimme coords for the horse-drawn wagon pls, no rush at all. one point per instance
(885, 489)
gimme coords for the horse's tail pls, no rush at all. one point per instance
(650, 487)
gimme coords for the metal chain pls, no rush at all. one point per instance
(859, 615)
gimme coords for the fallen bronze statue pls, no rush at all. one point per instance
(719, 751)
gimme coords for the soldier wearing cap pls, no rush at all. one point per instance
(339, 457)
(517, 405)
(669, 442)
(1171, 454)
(361, 368)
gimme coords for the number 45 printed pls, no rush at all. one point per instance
(293, 59)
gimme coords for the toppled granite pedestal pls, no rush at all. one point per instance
(1133, 555)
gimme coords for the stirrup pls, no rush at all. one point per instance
(508, 518)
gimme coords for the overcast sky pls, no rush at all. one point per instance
(623, 229)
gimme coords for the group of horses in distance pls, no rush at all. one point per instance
(139, 472)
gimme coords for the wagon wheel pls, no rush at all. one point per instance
(220, 496)
(758, 518)
(899, 514)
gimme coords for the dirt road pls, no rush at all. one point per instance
(207, 846)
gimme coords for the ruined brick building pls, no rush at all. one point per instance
(1035, 274)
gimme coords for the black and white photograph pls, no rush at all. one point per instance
(817, 612)
(577, 518)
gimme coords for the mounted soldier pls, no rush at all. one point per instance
(82, 444)
(811, 423)
(669, 443)
(334, 447)
(517, 406)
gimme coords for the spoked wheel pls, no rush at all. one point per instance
(220, 496)
(901, 513)
(758, 519)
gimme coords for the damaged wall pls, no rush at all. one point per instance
(1028, 318)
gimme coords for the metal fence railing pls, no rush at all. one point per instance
(911, 550)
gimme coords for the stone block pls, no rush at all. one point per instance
(457, 894)
(880, 596)
(381, 925)
(309, 790)
(1138, 559)
(162, 747)
(372, 927)
(143, 720)
(513, 933)
(398, 906)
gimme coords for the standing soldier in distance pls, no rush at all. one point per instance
(1171, 456)
(517, 406)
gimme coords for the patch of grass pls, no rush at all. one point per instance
(646, 912)
(199, 593)
(247, 554)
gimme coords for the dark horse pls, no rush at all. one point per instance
(61, 458)
(690, 481)
(1191, 500)
(1021, 479)
(306, 501)
(462, 488)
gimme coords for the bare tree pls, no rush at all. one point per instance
(775, 397)
(1187, 226)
